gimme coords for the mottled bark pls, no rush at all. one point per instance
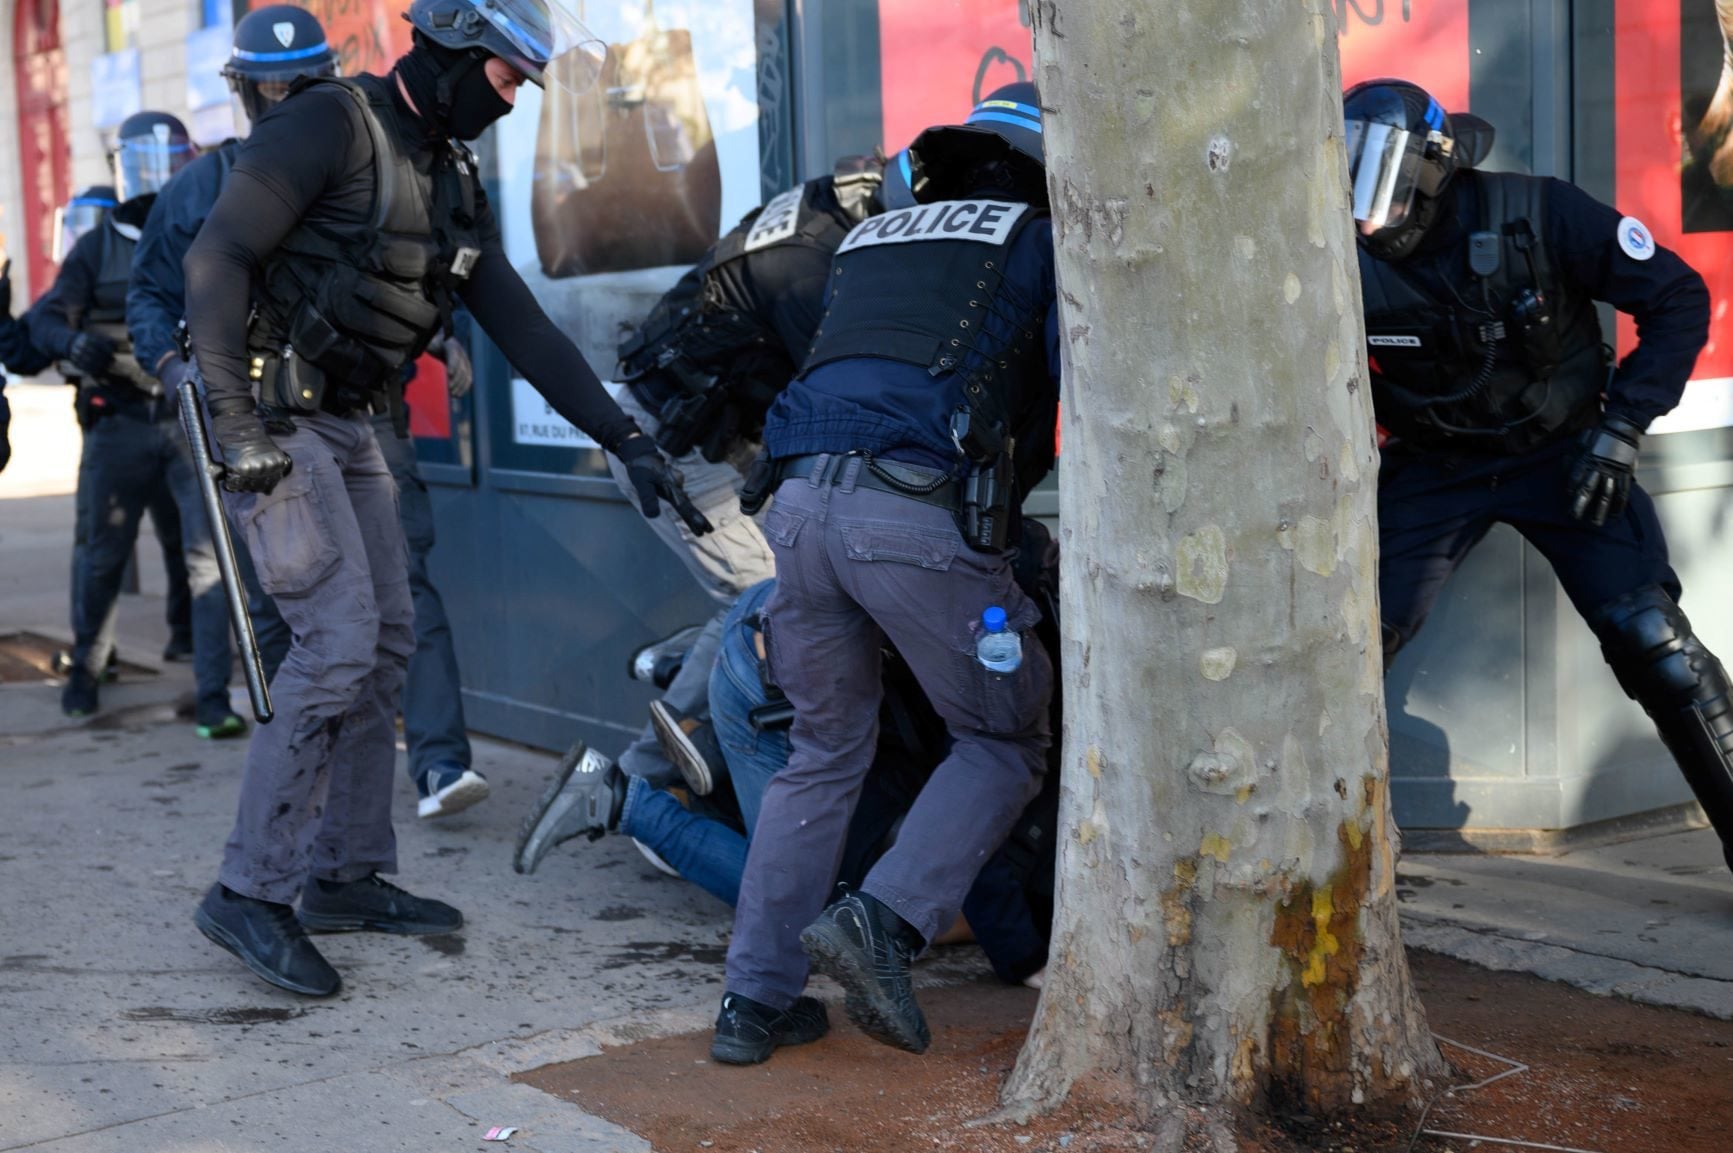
(1226, 935)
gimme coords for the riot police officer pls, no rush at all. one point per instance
(924, 409)
(700, 373)
(350, 228)
(134, 455)
(1501, 403)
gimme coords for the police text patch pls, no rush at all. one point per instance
(986, 221)
(777, 222)
(1393, 341)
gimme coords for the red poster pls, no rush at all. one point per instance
(1424, 41)
(1674, 167)
(369, 35)
(938, 60)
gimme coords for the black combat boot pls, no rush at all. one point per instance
(373, 903)
(268, 940)
(748, 1031)
(870, 951)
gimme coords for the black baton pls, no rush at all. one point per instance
(209, 472)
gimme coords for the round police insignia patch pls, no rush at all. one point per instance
(1635, 240)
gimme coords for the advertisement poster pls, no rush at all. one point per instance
(1428, 37)
(938, 60)
(1674, 169)
(369, 35)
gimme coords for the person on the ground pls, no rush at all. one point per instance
(273, 47)
(135, 456)
(700, 373)
(349, 229)
(705, 839)
(924, 411)
(1501, 404)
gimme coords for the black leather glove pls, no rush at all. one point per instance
(652, 476)
(91, 352)
(252, 461)
(1601, 475)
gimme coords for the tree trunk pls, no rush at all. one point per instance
(1226, 936)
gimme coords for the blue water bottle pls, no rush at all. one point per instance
(998, 649)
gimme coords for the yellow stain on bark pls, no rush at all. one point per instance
(1176, 903)
(1324, 944)
(1092, 761)
(1217, 846)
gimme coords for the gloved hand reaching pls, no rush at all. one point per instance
(252, 461)
(91, 352)
(459, 373)
(1601, 476)
(652, 476)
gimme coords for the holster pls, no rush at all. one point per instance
(984, 513)
(761, 481)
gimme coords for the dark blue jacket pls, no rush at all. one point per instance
(901, 410)
(156, 296)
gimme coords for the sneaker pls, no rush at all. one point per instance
(656, 860)
(659, 663)
(870, 952)
(690, 743)
(81, 696)
(584, 799)
(220, 725)
(178, 649)
(267, 939)
(748, 1031)
(373, 903)
(448, 789)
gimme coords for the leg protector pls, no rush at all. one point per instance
(1662, 665)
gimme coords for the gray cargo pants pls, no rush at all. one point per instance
(725, 563)
(316, 795)
(854, 565)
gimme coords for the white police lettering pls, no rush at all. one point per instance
(1635, 239)
(986, 221)
(1393, 341)
(776, 223)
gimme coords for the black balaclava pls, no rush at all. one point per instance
(450, 89)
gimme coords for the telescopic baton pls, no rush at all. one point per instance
(210, 473)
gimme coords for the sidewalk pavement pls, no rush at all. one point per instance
(123, 1031)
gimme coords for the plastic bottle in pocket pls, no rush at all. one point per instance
(999, 649)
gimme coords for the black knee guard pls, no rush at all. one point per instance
(1662, 665)
(1393, 642)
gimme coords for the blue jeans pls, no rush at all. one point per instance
(433, 723)
(127, 464)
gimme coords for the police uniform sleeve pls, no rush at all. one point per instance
(302, 149)
(1619, 263)
(52, 321)
(156, 291)
(508, 312)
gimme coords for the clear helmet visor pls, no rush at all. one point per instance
(73, 221)
(550, 45)
(1384, 172)
(251, 98)
(143, 164)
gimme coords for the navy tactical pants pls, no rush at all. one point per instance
(855, 566)
(1432, 510)
(433, 723)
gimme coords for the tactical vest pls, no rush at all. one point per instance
(1487, 364)
(935, 319)
(709, 359)
(359, 300)
(106, 315)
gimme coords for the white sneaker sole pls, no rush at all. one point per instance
(679, 749)
(467, 790)
(655, 858)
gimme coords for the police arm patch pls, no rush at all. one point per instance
(1635, 239)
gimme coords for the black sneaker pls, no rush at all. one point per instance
(748, 1031)
(81, 696)
(690, 743)
(870, 952)
(584, 799)
(268, 940)
(218, 723)
(373, 903)
(178, 649)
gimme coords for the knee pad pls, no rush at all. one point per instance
(1393, 642)
(1661, 664)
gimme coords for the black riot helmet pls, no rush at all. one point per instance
(998, 148)
(543, 39)
(78, 216)
(274, 47)
(1403, 149)
(149, 148)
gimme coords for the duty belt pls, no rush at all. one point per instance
(923, 484)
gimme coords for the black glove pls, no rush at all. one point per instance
(1600, 480)
(652, 476)
(92, 352)
(253, 462)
